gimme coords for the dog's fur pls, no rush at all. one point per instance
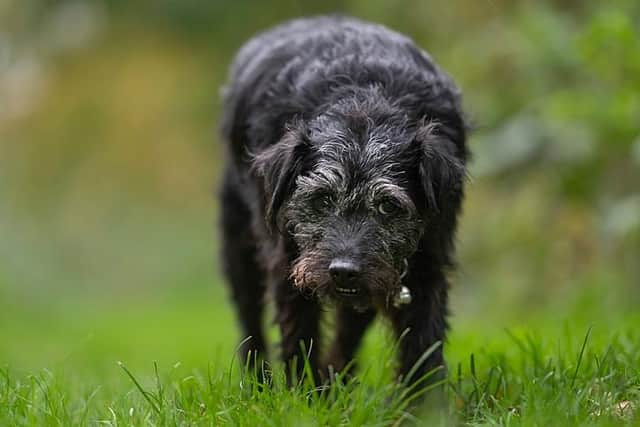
(346, 142)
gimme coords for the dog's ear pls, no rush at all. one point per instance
(441, 166)
(279, 166)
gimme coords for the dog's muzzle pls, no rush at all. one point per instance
(345, 275)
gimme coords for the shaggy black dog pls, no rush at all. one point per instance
(344, 180)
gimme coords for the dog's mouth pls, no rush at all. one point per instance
(356, 298)
(347, 292)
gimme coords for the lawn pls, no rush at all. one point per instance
(169, 360)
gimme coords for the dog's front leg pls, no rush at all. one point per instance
(298, 317)
(419, 326)
(350, 328)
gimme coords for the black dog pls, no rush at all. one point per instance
(345, 178)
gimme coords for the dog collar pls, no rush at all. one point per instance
(403, 296)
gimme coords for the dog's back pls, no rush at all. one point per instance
(292, 69)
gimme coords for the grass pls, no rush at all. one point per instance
(170, 361)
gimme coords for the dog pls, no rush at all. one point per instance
(344, 180)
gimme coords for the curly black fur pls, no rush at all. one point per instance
(345, 178)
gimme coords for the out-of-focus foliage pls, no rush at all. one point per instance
(108, 150)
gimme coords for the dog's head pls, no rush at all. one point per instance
(359, 195)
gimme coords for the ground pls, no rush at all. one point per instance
(169, 360)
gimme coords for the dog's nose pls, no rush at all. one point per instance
(344, 271)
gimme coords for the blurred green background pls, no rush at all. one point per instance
(109, 161)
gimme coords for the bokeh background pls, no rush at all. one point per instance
(110, 159)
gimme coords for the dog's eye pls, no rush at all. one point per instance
(387, 207)
(322, 202)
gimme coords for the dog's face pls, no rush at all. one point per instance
(357, 197)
